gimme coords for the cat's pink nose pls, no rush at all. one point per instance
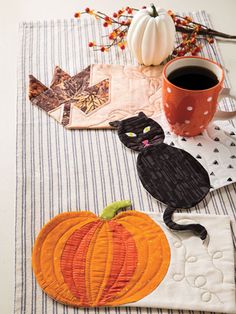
(145, 143)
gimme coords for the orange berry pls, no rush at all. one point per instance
(183, 22)
(115, 14)
(91, 44)
(195, 50)
(121, 34)
(105, 24)
(184, 36)
(122, 45)
(103, 49)
(193, 40)
(77, 15)
(129, 11)
(128, 22)
(197, 28)
(120, 12)
(210, 40)
(106, 18)
(181, 53)
(87, 10)
(111, 36)
(188, 18)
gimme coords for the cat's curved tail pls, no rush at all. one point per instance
(197, 229)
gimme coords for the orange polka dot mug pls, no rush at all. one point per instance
(189, 111)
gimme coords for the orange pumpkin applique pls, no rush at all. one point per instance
(83, 260)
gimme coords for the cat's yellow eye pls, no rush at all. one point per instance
(131, 134)
(147, 129)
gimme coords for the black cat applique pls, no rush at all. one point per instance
(169, 174)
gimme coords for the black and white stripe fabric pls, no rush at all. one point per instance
(61, 170)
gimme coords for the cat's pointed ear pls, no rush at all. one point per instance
(142, 115)
(115, 124)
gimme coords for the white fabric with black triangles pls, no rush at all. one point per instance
(215, 149)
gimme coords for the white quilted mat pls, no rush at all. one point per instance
(199, 277)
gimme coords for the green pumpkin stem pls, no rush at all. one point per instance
(110, 211)
(154, 14)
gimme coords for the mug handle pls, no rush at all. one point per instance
(225, 115)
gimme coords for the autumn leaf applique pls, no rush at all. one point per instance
(66, 91)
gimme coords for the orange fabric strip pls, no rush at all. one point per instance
(99, 263)
(78, 242)
(124, 262)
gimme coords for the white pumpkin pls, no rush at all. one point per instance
(151, 36)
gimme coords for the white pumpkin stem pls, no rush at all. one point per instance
(155, 13)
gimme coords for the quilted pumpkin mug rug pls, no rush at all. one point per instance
(83, 260)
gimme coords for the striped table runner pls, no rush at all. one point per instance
(62, 170)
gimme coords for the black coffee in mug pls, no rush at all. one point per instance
(193, 78)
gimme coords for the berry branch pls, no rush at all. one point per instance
(194, 35)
